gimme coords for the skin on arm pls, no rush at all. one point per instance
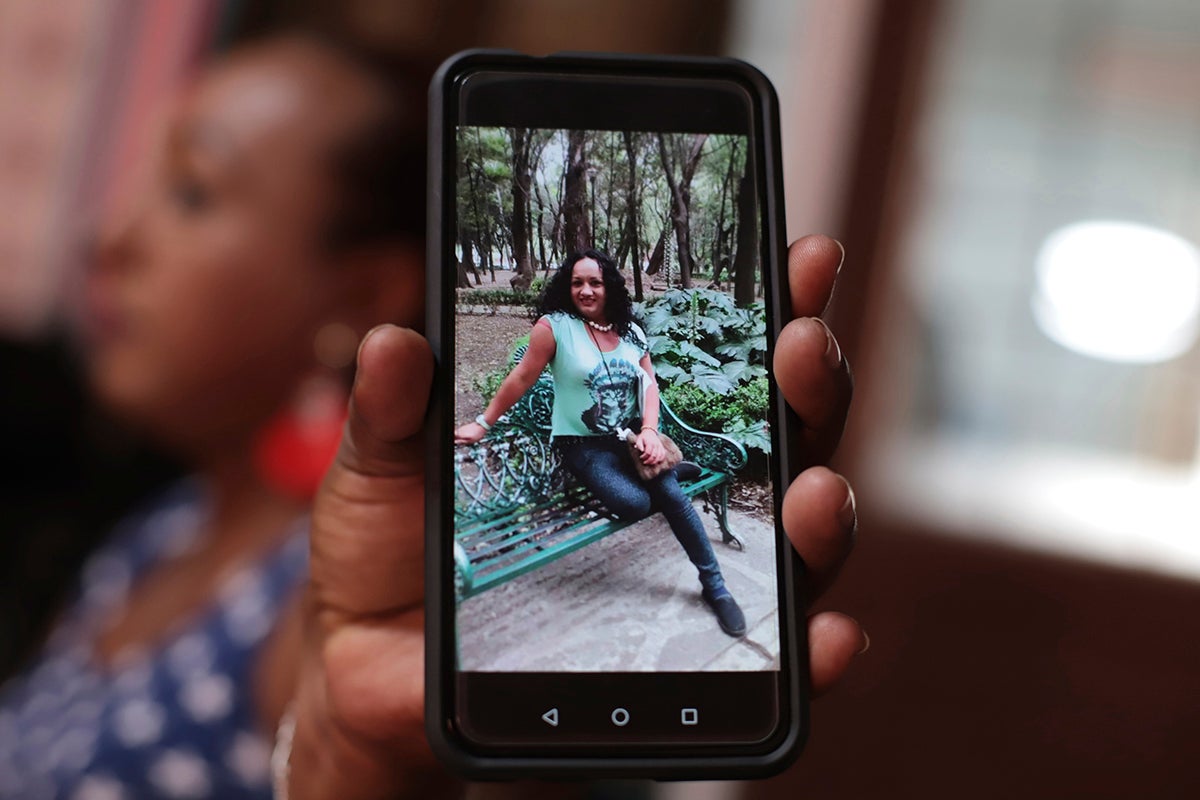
(539, 353)
(647, 440)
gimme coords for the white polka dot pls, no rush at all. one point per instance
(243, 582)
(178, 773)
(73, 750)
(80, 683)
(52, 672)
(85, 712)
(38, 706)
(248, 617)
(191, 655)
(99, 787)
(249, 759)
(134, 677)
(138, 722)
(207, 697)
(37, 749)
(173, 531)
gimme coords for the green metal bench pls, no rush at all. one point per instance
(517, 508)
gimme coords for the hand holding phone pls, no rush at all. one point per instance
(360, 701)
(634, 204)
(358, 706)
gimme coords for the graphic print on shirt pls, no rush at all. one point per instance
(614, 393)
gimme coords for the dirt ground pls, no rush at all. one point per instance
(482, 343)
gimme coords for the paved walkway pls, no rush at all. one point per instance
(629, 603)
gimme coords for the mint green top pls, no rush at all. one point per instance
(594, 394)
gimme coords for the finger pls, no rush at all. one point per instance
(816, 382)
(395, 368)
(813, 264)
(833, 641)
(368, 517)
(820, 518)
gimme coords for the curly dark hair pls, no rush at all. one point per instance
(618, 305)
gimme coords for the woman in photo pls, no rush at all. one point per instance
(600, 362)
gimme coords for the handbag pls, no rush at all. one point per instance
(648, 472)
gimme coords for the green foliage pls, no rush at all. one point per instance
(740, 414)
(752, 435)
(489, 383)
(709, 356)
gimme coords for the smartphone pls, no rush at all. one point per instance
(606, 278)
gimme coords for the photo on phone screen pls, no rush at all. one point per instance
(617, 274)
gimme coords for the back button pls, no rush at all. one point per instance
(551, 718)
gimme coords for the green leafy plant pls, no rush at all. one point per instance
(736, 413)
(710, 358)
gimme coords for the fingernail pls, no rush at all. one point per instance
(833, 351)
(842, 259)
(848, 514)
(866, 645)
(365, 339)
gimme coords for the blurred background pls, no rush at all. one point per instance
(1018, 188)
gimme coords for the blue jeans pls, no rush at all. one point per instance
(606, 468)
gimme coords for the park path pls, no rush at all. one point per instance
(629, 603)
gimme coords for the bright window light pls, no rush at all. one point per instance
(1118, 291)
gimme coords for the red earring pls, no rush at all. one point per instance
(295, 448)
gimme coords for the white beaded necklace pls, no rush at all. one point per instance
(599, 327)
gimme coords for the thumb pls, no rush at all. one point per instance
(369, 514)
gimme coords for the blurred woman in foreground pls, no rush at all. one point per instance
(281, 220)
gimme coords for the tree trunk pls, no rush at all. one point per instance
(473, 180)
(656, 255)
(681, 200)
(632, 206)
(465, 264)
(745, 262)
(719, 260)
(519, 222)
(529, 230)
(541, 238)
(484, 244)
(577, 235)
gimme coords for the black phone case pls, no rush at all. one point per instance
(440, 670)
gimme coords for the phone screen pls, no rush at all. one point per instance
(616, 547)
